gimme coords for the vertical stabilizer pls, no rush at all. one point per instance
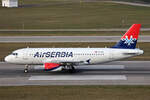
(129, 39)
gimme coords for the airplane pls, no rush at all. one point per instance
(58, 59)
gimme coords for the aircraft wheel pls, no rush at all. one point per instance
(72, 70)
(25, 70)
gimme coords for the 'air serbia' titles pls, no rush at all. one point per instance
(53, 54)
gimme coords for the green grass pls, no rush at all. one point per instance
(7, 48)
(66, 14)
(75, 93)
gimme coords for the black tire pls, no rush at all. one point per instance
(25, 70)
(72, 70)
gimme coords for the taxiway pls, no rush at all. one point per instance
(114, 73)
(15, 39)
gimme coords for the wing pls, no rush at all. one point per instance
(56, 65)
(68, 62)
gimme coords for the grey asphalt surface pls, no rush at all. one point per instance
(70, 30)
(15, 39)
(130, 3)
(117, 73)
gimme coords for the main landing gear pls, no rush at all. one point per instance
(26, 69)
(70, 68)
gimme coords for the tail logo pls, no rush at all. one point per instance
(129, 41)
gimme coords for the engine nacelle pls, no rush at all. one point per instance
(49, 67)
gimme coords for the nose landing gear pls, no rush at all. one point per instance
(26, 69)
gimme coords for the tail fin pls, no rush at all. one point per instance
(129, 39)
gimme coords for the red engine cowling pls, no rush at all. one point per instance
(49, 67)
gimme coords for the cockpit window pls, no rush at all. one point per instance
(15, 54)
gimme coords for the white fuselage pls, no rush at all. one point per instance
(94, 55)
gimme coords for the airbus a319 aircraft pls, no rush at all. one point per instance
(58, 59)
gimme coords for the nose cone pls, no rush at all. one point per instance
(7, 59)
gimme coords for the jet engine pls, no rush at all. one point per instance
(49, 67)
